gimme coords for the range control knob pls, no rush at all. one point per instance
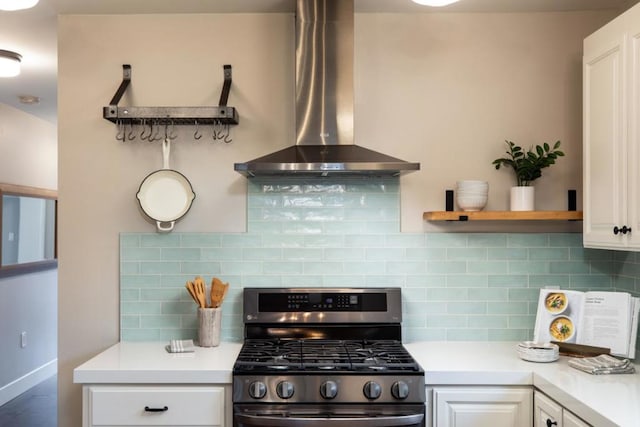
(257, 390)
(328, 389)
(285, 389)
(400, 390)
(372, 390)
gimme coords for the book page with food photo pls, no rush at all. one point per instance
(603, 319)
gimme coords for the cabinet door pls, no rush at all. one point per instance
(611, 133)
(546, 412)
(570, 420)
(155, 406)
(633, 67)
(604, 138)
(482, 407)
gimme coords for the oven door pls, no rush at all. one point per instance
(326, 415)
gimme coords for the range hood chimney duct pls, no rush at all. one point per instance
(324, 102)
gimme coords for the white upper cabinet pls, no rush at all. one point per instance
(611, 97)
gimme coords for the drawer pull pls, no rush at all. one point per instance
(551, 423)
(147, 409)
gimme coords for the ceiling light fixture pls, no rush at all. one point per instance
(9, 63)
(435, 3)
(17, 4)
(29, 99)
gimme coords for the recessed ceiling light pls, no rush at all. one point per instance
(17, 4)
(29, 99)
(9, 63)
(435, 3)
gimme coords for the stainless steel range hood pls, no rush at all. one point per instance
(324, 102)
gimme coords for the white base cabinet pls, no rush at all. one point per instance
(149, 405)
(482, 406)
(548, 413)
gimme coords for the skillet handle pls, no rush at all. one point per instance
(165, 229)
(166, 150)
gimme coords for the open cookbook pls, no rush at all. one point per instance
(602, 319)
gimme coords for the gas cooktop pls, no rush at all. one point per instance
(298, 355)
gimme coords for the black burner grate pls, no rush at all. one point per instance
(321, 355)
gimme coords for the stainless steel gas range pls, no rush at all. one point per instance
(325, 357)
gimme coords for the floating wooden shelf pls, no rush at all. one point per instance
(503, 216)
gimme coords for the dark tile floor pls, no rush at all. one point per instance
(36, 407)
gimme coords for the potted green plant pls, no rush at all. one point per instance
(527, 166)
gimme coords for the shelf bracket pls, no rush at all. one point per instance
(126, 80)
(226, 86)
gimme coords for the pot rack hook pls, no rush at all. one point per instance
(143, 125)
(169, 132)
(132, 134)
(197, 135)
(155, 135)
(120, 134)
(227, 134)
(218, 130)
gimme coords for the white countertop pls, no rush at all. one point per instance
(601, 400)
(149, 362)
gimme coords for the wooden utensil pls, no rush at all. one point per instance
(191, 289)
(218, 291)
(200, 291)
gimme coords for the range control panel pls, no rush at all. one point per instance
(269, 306)
(321, 301)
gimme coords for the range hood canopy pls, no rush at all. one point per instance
(324, 102)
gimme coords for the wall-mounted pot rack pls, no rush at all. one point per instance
(151, 120)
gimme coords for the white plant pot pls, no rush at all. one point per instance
(522, 198)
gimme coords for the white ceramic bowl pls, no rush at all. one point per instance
(472, 185)
(471, 182)
(472, 192)
(471, 202)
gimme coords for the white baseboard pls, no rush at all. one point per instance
(17, 387)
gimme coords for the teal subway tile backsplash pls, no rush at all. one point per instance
(200, 240)
(130, 253)
(507, 280)
(159, 240)
(138, 280)
(507, 253)
(550, 254)
(467, 254)
(160, 267)
(344, 232)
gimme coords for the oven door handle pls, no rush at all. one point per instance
(386, 421)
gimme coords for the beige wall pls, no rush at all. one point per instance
(445, 90)
(176, 61)
(28, 150)
(448, 89)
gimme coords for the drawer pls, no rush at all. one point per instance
(156, 406)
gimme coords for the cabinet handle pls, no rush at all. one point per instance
(623, 230)
(551, 423)
(147, 409)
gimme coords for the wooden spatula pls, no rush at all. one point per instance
(218, 291)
